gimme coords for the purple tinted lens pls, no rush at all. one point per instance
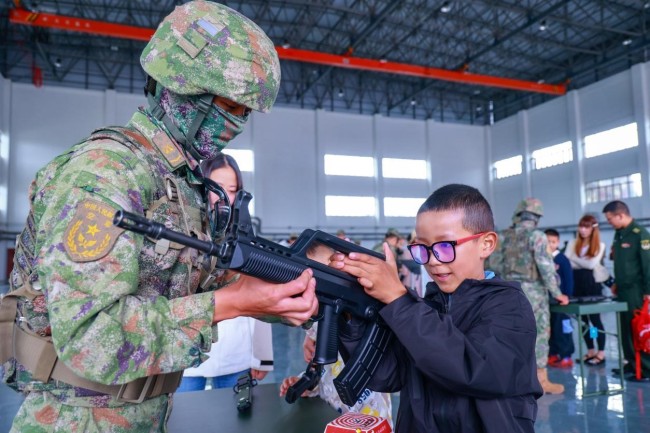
(444, 252)
(419, 253)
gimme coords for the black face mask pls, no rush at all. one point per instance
(220, 213)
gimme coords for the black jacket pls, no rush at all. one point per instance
(463, 363)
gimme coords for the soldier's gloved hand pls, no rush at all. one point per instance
(562, 299)
(295, 302)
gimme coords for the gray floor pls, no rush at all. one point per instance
(628, 412)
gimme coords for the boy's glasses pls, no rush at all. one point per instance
(445, 251)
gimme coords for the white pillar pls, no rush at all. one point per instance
(576, 136)
(641, 97)
(524, 139)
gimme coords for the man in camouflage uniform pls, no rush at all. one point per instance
(100, 322)
(392, 238)
(522, 256)
(631, 255)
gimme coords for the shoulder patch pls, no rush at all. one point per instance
(636, 230)
(91, 234)
(645, 244)
(169, 150)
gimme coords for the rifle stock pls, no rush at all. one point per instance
(337, 292)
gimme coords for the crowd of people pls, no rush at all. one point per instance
(100, 323)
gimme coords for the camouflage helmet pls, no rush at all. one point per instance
(532, 205)
(207, 48)
(392, 232)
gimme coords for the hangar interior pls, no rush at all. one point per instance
(381, 102)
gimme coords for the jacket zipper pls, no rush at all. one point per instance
(447, 302)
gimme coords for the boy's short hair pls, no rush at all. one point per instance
(478, 213)
(616, 207)
(552, 232)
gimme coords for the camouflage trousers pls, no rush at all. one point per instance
(538, 297)
(42, 412)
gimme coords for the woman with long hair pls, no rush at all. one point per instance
(585, 252)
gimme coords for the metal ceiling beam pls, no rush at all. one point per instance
(60, 22)
(531, 20)
(20, 16)
(417, 71)
(374, 22)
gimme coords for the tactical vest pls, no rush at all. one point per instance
(518, 261)
(24, 336)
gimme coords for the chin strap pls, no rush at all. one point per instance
(204, 103)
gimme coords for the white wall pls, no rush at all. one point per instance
(615, 101)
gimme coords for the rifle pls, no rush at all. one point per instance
(337, 291)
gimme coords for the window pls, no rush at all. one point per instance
(403, 168)
(402, 206)
(244, 157)
(616, 188)
(350, 206)
(612, 140)
(508, 167)
(552, 155)
(343, 165)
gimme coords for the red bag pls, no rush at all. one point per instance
(641, 333)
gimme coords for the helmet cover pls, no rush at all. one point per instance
(204, 47)
(532, 205)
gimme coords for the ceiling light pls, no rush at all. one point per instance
(413, 102)
(286, 44)
(542, 25)
(341, 93)
(383, 60)
(541, 81)
(57, 62)
(115, 48)
(627, 41)
(445, 8)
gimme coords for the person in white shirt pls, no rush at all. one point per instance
(585, 252)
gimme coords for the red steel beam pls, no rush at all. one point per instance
(59, 22)
(417, 71)
(38, 19)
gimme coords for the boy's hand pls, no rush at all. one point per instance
(258, 374)
(308, 349)
(379, 278)
(287, 382)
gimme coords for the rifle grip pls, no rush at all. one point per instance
(327, 341)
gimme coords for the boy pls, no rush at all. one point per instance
(561, 342)
(464, 356)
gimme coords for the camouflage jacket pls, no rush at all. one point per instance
(522, 256)
(118, 306)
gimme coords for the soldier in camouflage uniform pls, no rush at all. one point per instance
(522, 256)
(100, 322)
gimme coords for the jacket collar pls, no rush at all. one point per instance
(469, 289)
(166, 146)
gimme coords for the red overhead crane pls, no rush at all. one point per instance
(59, 22)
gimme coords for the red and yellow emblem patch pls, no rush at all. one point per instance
(91, 233)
